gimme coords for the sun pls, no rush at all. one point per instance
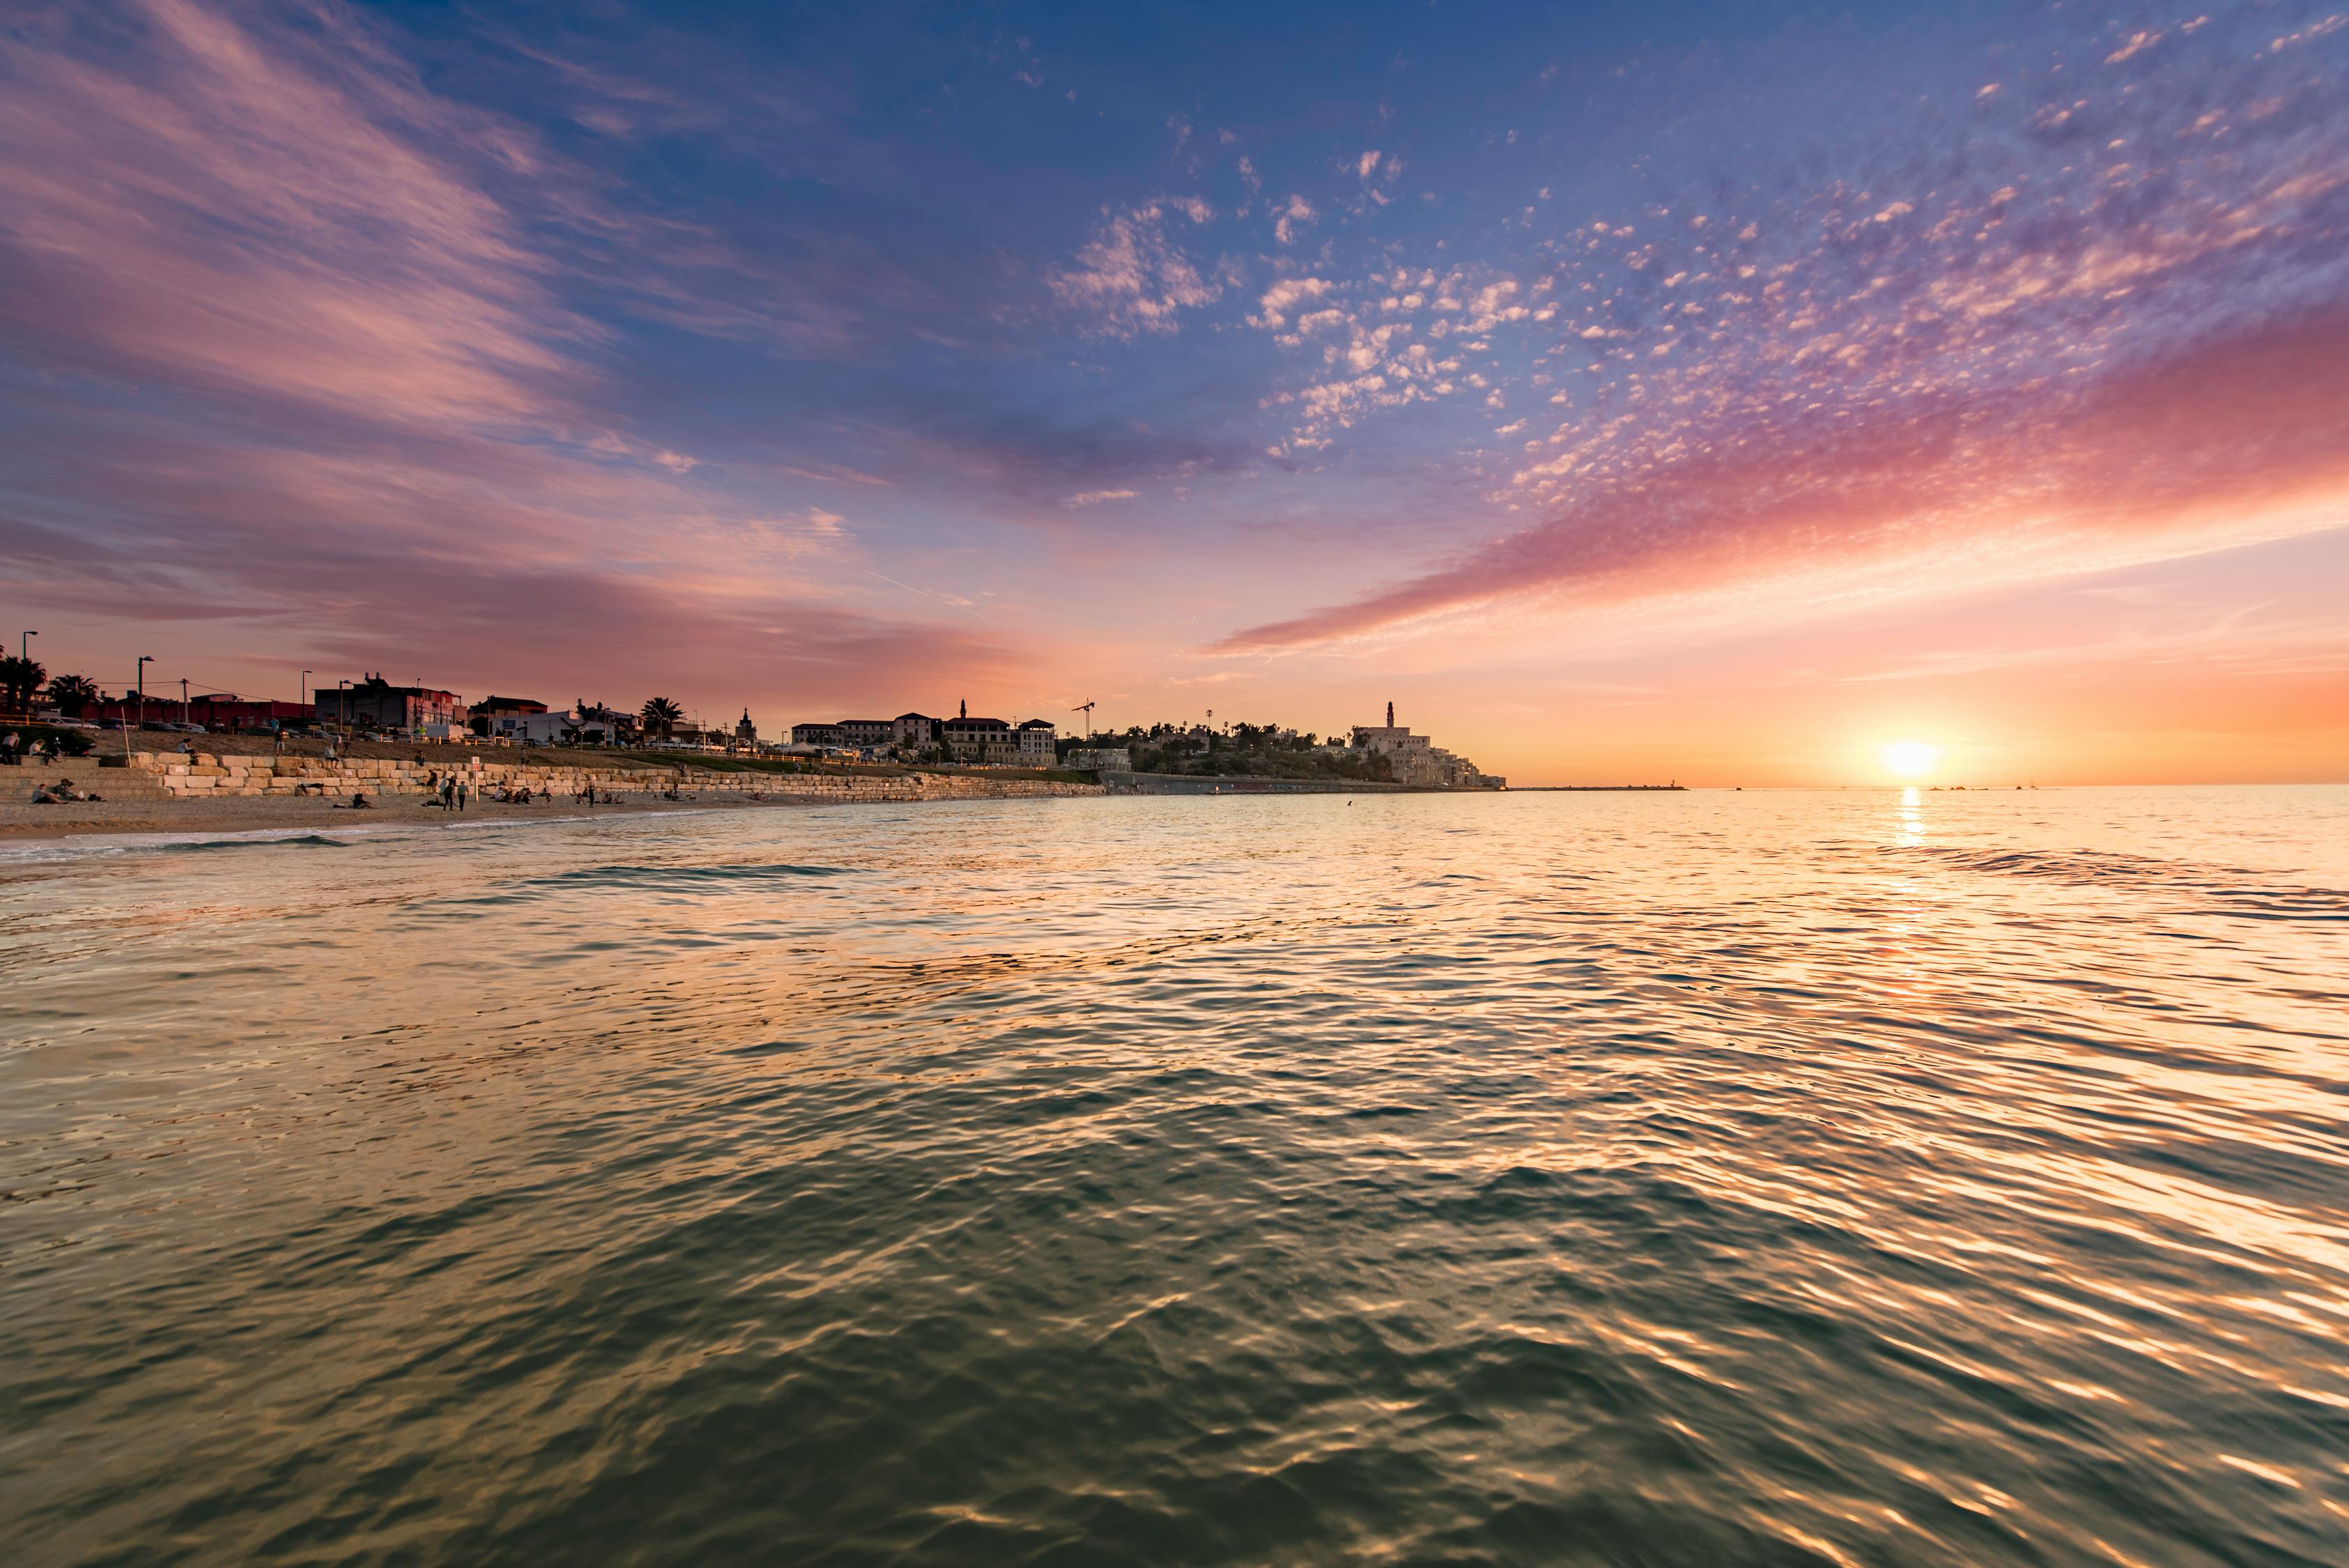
(1910, 759)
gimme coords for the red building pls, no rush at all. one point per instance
(217, 710)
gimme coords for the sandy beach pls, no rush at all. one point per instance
(20, 821)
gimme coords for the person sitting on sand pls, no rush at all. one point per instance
(359, 802)
(59, 793)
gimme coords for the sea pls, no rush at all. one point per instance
(1776, 1177)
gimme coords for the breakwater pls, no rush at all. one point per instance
(206, 776)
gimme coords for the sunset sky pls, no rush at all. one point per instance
(1719, 392)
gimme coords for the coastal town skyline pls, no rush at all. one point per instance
(1590, 384)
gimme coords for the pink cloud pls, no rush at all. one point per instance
(2243, 437)
(1130, 278)
(229, 217)
(313, 384)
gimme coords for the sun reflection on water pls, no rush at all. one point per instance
(1911, 814)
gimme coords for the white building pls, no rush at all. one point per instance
(534, 729)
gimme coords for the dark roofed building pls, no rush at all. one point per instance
(969, 740)
(376, 703)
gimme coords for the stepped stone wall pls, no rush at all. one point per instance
(174, 775)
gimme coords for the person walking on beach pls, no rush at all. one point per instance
(461, 793)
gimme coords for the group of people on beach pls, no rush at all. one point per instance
(60, 792)
(452, 792)
(14, 753)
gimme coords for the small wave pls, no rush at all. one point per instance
(81, 846)
(679, 875)
(2229, 890)
(293, 841)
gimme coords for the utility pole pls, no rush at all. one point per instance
(183, 700)
(144, 661)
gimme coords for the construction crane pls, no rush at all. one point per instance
(1087, 709)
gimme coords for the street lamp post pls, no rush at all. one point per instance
(22, 638)
(306, 691)
(139, 688)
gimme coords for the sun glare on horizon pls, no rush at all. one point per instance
(1910, 759)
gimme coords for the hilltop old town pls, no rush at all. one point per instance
(62, 714)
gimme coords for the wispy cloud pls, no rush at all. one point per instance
(311, 360)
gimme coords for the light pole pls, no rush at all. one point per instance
(343, 706)
(306, 691)
(140, 686)
(21, 637)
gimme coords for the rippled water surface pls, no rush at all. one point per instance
(1775, 1178)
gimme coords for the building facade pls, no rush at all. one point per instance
(969, 740)
(1417, 760)
(961, 739)
(214, 711)
(375, 704)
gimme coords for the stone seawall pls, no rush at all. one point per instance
(172, 775)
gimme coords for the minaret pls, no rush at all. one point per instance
(962, 709)
(1389, 716)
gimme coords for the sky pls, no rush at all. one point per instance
(1711, 392)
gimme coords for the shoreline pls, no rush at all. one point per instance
(21, 822)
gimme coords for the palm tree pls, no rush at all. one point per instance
(72, 693)
(19, 678)
(660, 716)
